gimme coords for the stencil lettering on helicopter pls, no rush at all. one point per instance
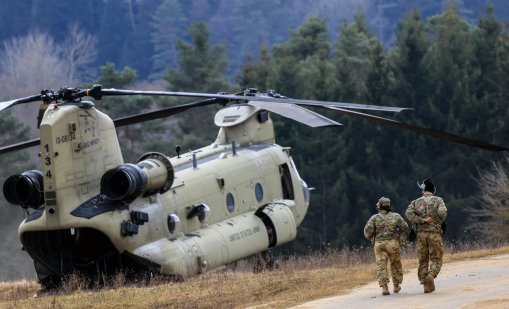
(65, 138)
(244, 233)
(91, 143)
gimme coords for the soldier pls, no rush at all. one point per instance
(427, 214)
(386, 230)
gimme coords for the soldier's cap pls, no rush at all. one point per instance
(427, 185)
(384, 202)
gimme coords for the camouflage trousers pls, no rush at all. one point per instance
(386, 250)
(430, 249)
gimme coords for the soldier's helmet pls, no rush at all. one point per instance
(384, 204)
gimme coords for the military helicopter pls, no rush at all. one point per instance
(180, 216)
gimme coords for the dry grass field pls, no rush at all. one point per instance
(296, 280)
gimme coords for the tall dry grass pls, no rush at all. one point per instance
(296, 280)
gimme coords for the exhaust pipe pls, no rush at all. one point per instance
(25, 190)
(154, 173)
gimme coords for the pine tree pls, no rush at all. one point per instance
(202, 69)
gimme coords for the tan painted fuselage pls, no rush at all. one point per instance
(180, 216)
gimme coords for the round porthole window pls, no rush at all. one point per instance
(259, 192)
(230, 202)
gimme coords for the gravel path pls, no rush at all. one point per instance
(475, 284)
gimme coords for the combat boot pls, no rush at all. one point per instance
(426, 286)
(430, 280)
(397, 287)
(385, 289)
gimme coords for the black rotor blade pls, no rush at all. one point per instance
(162, 113)
(435, 133)
(7, 104)
(124, 121)
(21, 145)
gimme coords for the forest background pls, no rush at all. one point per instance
(448, 60)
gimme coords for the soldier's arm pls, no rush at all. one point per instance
(412, 216)
(403, 226)
(442, 210)
(369, 230)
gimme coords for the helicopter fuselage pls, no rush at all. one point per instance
(178, 216)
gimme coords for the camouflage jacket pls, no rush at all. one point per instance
(385, 226)
(427, 205)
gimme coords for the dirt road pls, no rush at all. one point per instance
(482, 283)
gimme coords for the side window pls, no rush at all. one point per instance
(258, 192)
(230, 202)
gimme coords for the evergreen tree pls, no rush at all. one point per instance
(360, 70)
(168, 20)
(303, 70)
(259, 75)
(202, 69)
(135, 139)
(408, 85)
(16, 263)
(489, 78)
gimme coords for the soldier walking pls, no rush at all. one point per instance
(386, 230)
(427, 215)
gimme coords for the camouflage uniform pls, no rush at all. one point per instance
(385, 230)
(430, 244)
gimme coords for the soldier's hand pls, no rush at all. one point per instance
(428, 220)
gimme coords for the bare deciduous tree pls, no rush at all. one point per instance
(29, 63)
(492, 215)
(35, 61)
(79, 52)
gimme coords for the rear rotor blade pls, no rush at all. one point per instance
(297, 113)
(435, 133)
(234, 97)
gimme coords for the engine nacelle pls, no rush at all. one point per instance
(280, 222)
(153, 173)
(25, 190)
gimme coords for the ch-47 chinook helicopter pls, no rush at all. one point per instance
(183, 215)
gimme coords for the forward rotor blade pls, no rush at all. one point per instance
(7, 104)
(19, 146)
(123, 122)
(297, 113)
(435, 133)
